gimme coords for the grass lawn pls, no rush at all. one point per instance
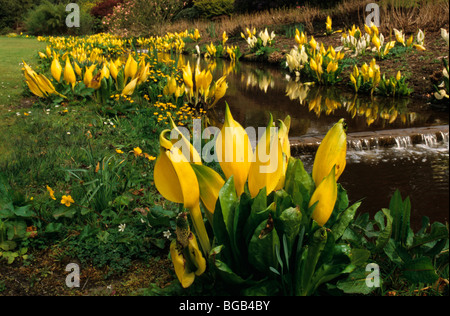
(12, 52)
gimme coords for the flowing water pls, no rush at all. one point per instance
(416, 165)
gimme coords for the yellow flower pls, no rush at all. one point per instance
(69, 73)
(313, 43)
(325, 194)
(331, 153)
(51, 192)
(224, 38)
(67, 200)
(329, 25)
(419, 47)
(130, 87)
(267, 169)
(56, 69)
(131, 68)
(176, 181)
(137, 151)
(234, 151)
(376, 42)
(187, 259)
(119, 151)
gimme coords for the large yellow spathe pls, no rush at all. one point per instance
(69, 73)
(234, 151)
(331, 153)
(267, 169)
(176, 181)
(326, 195)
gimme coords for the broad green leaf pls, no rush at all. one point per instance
(299, 183)
(420, 270)
(255, 218)
(228, 199)
(344, 220)
(356, 283)
(262, 247)
(308, 262)
(289, 224)
(385, 234)
(24, 211)
(438, 231)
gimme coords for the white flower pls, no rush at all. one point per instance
(420, 37)
(122, 227)
(444, 35)
(167, 234)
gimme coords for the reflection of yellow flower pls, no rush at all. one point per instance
(67, 200)
(51, 192)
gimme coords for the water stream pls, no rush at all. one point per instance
(390, 146)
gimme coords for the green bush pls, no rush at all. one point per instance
(188, 14)
(50, 19)
(212, 8)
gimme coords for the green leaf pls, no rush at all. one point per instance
(228, 199)
(344, 220)
(289, 224)
(308, 262)
(262, 247)
(438, 231)
(355, 283)
(385, 233)
(299, 183)
(420, 270)
(24, 211)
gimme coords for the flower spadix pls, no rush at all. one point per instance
(187, 258)
(267, 168)
(234, 151)
(325, 195)
(331, 153)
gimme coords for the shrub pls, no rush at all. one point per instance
(259, 5)
(212, 8)
(50, 19)
(141, 17)
(12, 11)
(104, 8)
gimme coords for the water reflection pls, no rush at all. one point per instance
(418, 171)
(255, 90)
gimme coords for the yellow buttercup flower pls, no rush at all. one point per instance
(137, 151)
(67, 200)
(51, 192)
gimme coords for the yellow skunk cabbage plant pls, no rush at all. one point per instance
(269, 232)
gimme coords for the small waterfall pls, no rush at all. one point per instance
(430, 138)
(403, 141)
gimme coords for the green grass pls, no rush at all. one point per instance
(12, 52)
